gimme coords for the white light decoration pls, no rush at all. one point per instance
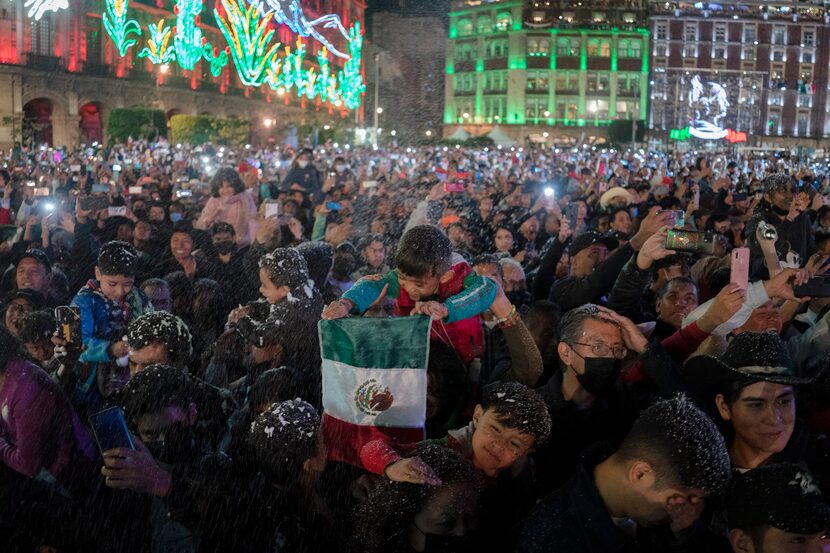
(709, 109)
(39, 7)
(290, 13)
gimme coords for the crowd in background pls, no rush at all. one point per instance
(594, 383)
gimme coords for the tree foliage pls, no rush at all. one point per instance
(137, 123)
(199, 129)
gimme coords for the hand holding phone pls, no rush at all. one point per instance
(740, 268)
(69, 324)
(110, 429)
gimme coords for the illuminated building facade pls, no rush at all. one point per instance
(545, 71)
(768, 62)
(65, 65)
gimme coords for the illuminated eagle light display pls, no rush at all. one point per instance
(39, 7)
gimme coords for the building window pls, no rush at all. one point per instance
(536, 107)
(598, 17)
(465, 27)
(690, 51)
(805, 100)
(538, 47)
(567, 47)
(537, 80)
(628, 85)
(465, 52)
(567, 81)
(719, 53)
(605, 49)
(778, 54)
(774, 123)
(42, 36)
(803, 123)
(538, 17)
(484, 25)
(629, 18)
(593, 47)
(661, 31)
(497, 49)
(748, 53)
(779, 35)
(720, 33)
(661, 50)
(690, 32)
(495, 106)
(597, 109)
(503, 22)
(807, 56)
(776, 98)
(808, 38)
(750, 33)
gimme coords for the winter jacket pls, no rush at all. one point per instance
(626, 297)
(799, 233)
(546, 274)
(572, 292)
(103, 321)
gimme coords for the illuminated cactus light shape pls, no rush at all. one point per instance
(217, 60)
(189, 42)
(158, 49)
(249, 39)
(351, 85)
(118, 27)
(39, 7)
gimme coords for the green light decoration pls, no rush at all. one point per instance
(189, 42)
(351, 86)
(158, 49)
(249, 38)
(119, 27)
(217, 60)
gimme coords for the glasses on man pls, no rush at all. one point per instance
(602, 350)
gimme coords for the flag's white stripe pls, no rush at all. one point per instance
(408, 387)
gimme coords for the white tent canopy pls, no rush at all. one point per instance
(499, 138)
(460, 134)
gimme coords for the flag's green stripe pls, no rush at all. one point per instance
(376, 343)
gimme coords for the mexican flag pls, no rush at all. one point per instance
(374, 382)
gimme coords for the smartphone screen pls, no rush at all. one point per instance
(110, 429)
(333, 206)
(686, 241)
(69, 323)
(272, 209)
(740, 267)
(454, 187)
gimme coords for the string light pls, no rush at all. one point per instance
(119, 27)
(39, 7)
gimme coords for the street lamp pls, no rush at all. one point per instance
(547, 113)
(380, 111)
(429, 133)
(268, 122)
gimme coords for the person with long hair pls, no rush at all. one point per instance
(230, 203)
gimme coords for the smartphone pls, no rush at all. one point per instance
(69, 324)
(184, 193)
(676, 218)
(94, 203)
(75, 168)
(117, 211)
(100, 188)
(816, 287)
(333, 206)
(687, 241)
(110, 429)
(740, 197)
(696, 197)
(740, 268)
(602, 187)
(272, 209)
(369, 184)
(116, 168)
(572, 214)
(136, 190)
(31, 183)
(42, 191)
(454, 187)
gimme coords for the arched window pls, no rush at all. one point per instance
(465, 27)
(532, 46)
(544, 47)
(605, 49)
(503, 22)
(636, 49)
(593, 47)
(484, 25)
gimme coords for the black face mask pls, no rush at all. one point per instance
(778, 211)
(601, 373)
(224, 248)
(178, 445)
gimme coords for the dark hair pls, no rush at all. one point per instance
(36, 327)
(382, 521)
(489, 259)
(681, 443)
(273, 386)
(155, 283)
(445, 385)
(117, 258)
(573, 321)
(520, 408)
(613, 213)
(676, 280)
(155, 388)
(715, 218)
(424, 251)
(165, 328)
(367, 241)
(285, 267)
(284, 437)
(226, 174)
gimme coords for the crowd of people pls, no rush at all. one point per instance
(599, 376)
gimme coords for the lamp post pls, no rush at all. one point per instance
(378, 109)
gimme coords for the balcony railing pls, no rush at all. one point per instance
(43, 62)
(97, 69)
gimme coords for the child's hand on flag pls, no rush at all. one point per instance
(337, 310)
(434, 309)
(412, 470)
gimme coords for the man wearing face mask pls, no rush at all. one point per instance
(228, 259)
(587, 398)
(303, 175)
(190, 484)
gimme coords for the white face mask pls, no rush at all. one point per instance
(302, 164)
(340, 167)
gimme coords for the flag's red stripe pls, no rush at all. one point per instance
(344, 439)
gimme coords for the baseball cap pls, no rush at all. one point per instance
(782, 495)
(34, 298)
(588, 239)
(39, 256)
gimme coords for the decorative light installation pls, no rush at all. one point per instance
(290, 13)
(189, 42)
(119, 27)
(249, 38)
(713, 105)
(39, 7)
(158, 49)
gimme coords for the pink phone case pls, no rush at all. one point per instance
(740, 267)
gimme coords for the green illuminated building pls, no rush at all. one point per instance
(545, 71)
